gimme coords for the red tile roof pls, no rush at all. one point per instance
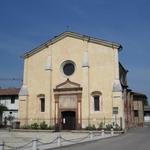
(9, 91)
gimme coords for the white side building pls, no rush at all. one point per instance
(9, 98)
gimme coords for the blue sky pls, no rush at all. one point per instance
(24, 24)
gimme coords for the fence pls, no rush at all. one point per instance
(59, 141)
(85, 122)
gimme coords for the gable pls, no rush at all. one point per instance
(68, 85)
(73, 35)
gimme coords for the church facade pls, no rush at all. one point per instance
(73, 81)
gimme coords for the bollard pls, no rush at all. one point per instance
(59, 140)
(103, 133)
(112, 132)
(34, 144)
(2, 145)
(91, 135)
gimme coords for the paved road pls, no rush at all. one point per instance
(135, 139)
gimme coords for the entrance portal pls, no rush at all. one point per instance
(68, 108)
(68, 120)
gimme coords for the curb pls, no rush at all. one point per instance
(30, 130)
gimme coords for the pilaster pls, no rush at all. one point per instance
(85, 85)
(117, 95)
(23, 97)
(48, 68)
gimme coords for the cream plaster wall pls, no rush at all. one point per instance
(102, 75)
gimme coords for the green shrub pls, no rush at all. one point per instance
(100, 126)
(109, 127)
(90, 127)
(50, 127)
(57, 127)
(93, 127)
(34, 126)
(43, 125)
(117, 127)
(25, 127)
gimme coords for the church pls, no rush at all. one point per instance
(74, 81)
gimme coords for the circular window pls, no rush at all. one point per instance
(68, 68)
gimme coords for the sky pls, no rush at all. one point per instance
(25, 24)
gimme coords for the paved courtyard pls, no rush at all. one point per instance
(16, 139)
(20, 138)
(134, 139)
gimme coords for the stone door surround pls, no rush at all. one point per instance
(68, 98)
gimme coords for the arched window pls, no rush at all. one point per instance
(96, 100)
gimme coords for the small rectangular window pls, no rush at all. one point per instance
(115, 110)
(96, 103)
(42, 104)
(12, 99)
(136, 114)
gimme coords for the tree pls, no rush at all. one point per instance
(145, 102)
(2, 109)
